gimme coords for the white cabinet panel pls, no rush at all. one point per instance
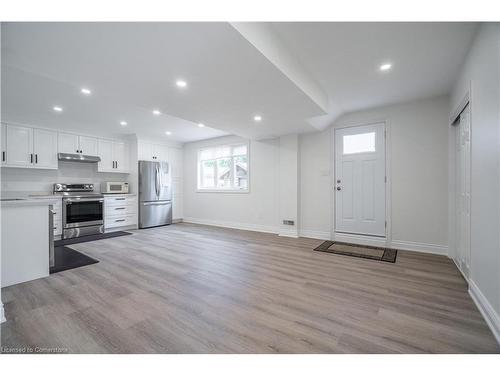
(45, 149)
(68, 143)
(114, 156)
(88, 145)
(120, 156)
(3, 135)
(160, 152)
(105, 151)
(120, 211)
(19, 149)
(145, 151)
(152, 151)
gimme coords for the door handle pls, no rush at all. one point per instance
(156, 203)
(3, 155)
(36, 158)
(31, 158)
(116, 164)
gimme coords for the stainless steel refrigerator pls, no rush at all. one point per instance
(155, 194)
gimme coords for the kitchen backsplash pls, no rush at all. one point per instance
(41, 180)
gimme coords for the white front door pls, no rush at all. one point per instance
(360, 180)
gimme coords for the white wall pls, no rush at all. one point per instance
(314, 184)
(419, 168)
(41, 180)
(254, 210)
(288, 173)
(481, 72)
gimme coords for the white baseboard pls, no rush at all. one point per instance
(489, 314)
(360, 240)
(317, 234)
(286, 232)
(232, 225)
(2, 313)
(420, 247)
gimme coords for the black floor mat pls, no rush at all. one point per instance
(66, 259)
(94, 237)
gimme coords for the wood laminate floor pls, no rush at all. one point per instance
(188, 288)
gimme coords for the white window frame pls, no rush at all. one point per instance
(199, 189)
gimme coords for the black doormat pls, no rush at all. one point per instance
(93, 237)
(67, 259)
(359, 251)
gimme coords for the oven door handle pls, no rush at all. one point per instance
(76, 200)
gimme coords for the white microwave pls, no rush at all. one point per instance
(114, 187)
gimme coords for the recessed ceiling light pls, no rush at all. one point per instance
(384, 67)
(156, 112)
(123, 123)
(57, 109)
(257, 118)
(200, 125)
(181, 83)
(85, 91)
(168, 133)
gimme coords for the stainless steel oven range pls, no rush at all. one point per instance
(82, 210)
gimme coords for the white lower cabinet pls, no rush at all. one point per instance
(120, 211)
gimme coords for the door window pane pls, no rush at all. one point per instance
(357, 143)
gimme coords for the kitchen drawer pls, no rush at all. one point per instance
(120, 210)
(120, 221)
(120, 200)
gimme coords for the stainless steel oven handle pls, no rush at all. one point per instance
(75, 200)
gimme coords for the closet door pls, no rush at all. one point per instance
(463, 183)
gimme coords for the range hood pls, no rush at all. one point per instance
(78, 157)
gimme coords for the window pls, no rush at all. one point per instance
(357, 143)
(223, 168)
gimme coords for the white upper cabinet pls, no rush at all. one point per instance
(19, 148)
(68, 143)
(3, 135)
(160, 152)
(105, 151)
(28, 147)
(152, 151)
(79, 144)
(120, 155)
(88, 146)
(145, 151)
(45, 149)
(114, 156)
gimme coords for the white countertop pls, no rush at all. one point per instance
(22, 202)
(119, 195)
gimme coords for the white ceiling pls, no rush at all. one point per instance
(344, 59)
(287, 72)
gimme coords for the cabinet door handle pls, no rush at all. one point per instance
(116, 164)
(36, 158)
(119, 208)
(119, 199)
(3, 155)
(31, 158)
(117, 221)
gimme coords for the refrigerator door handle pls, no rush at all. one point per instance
(157, 182)
(156, 203)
